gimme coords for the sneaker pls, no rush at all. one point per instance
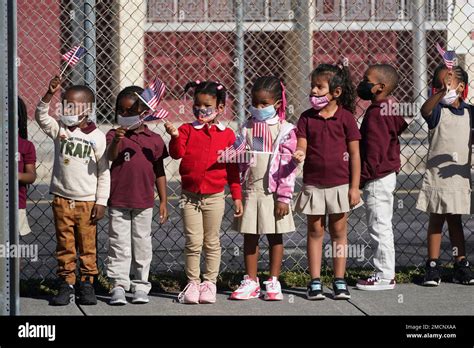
(273, 290)
(87, 293)
(463, 273)
(315, 290)
(432, 273)
(65, 294)
(248, 289)
(117, 296)
(207, 292)
(140, 297)
(339, 287)
(190, 294)
(374, 283)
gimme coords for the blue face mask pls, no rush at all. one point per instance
(262, 114)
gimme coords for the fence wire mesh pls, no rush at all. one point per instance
(234, 42)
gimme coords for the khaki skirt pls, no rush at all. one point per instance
(444, 201)
(259, 216)
(316, 200)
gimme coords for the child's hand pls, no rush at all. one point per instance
(299, 156)
(163, 212)
(54, 85)
(98, 213)
(119, 134)
(354, 197)
(171, 130)
(447, 81)
(281, 210)
(238, 208)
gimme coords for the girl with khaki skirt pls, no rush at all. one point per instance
(268, 183)
(446, 189)
(328, 141)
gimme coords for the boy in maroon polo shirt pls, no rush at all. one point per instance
(380, 156)
(137, 156)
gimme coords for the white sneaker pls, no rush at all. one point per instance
(273, 290)
(248, 289)
(140, 297)
(117, 296)
(375, 283)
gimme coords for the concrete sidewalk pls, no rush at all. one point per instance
(406, 299)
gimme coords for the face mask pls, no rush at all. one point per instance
(72, 120)
(130, 122)
(450, 97)
(263, 114)
(318, 103)
(364, 90)
(204, 115)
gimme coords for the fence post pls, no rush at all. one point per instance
(420, 65)
(9, 264)
(89, 45)
(240, 60)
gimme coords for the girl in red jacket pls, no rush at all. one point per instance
(203, 178)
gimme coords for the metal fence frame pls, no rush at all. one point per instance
(82, 24)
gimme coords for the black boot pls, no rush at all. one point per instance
(64, 296)
(87, 293)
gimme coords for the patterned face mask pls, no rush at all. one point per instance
(204, 115)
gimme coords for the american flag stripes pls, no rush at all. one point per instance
(235, 150)
(153, 94)
(261, 137)
(158, 114)
(72, 56)
(449, 57)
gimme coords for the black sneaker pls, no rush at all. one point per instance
(432, 273)
(315, 290)
(339, 287)
(87, 293)
(463, 273)
(64, 296)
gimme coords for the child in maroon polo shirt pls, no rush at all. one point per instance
(26, 167)
(203, 178)
(328, 141)
(137, 156)
(380, 154)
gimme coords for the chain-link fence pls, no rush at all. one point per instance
(234, 42)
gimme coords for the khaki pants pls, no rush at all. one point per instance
(74, 228)
(202, 218)
(130, 248)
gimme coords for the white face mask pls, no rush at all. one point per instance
(130, 122)
(450, 97)
(72, 120)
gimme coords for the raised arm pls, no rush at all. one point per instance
(47, 123)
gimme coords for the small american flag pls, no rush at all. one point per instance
(72, 56)
(153, 94)
(449, 57)
(158, 114)
(235, 150)
(261, 137)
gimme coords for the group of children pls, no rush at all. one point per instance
(121, 170)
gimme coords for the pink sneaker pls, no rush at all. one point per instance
(190, 293)
(248, 289)
(272, 290)
(207, 292)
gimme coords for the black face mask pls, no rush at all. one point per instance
(364, 90)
